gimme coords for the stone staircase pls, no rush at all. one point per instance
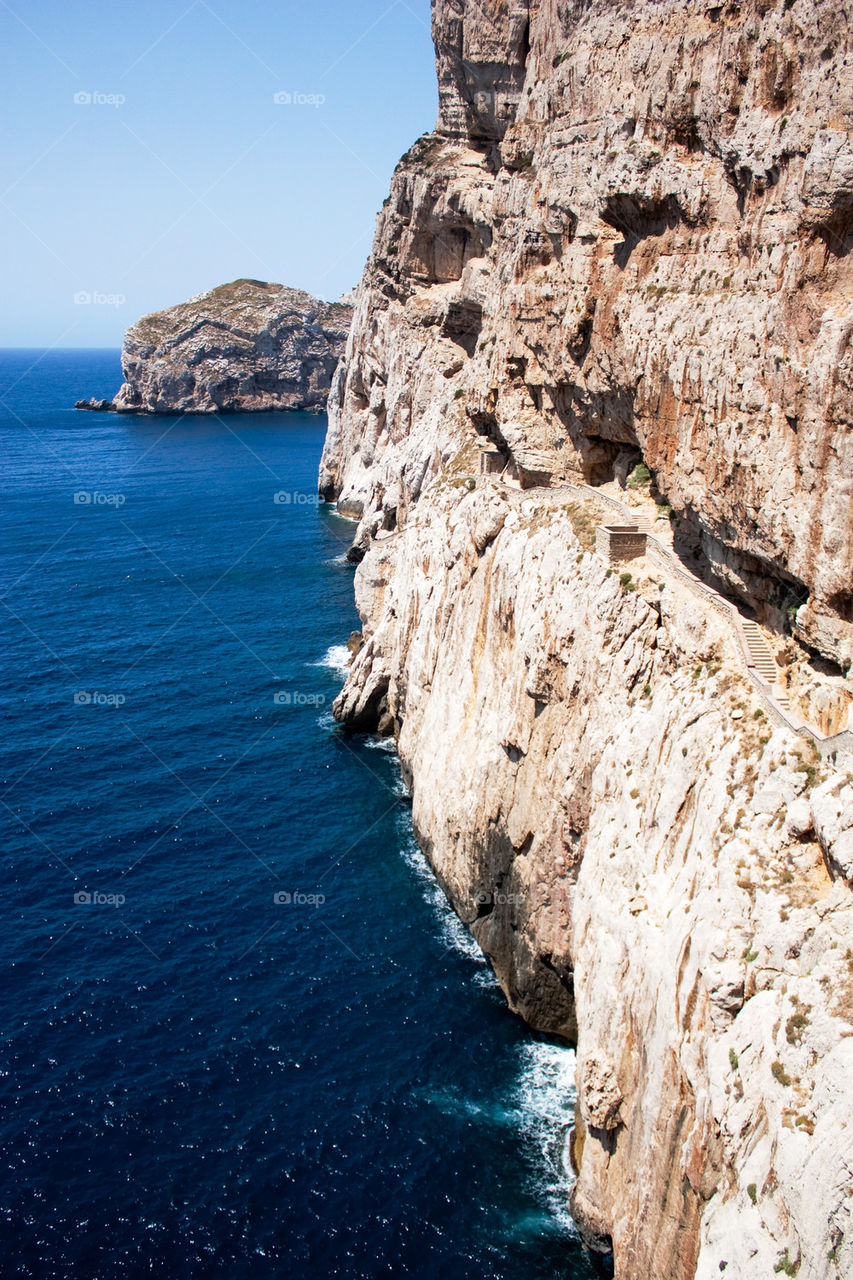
(760, 658)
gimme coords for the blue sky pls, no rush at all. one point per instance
(146, 158)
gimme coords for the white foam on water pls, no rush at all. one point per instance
(540, 1105)
(456, 936)
(486, 978)
(544, 1100)
(539, 1109)
(337, 658)
(388, 747)
(452, 931)
(452, 1103)
(341, 559)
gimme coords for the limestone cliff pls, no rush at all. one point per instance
(244, 346)
(631, 232)
(627, 242)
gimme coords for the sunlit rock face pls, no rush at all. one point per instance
(245, 346)
(627, 239)
(631, 230)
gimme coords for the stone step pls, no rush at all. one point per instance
(759, 654)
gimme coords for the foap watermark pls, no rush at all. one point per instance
(484, 102)
(94, 498)
(296, 698)
(284, 899)
(85, 898)
(294, 98)
(484, 899)
(95, 98)
(296, 498)
(82, 698)
(95, 298)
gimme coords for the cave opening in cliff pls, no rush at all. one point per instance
(600, 430)
(497, 456)
(842, 604)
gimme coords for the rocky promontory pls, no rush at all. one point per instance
(623, 255)
(246, 346)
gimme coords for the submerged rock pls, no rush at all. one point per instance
(93, 403)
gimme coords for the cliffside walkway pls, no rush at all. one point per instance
(749, 642)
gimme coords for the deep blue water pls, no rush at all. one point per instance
(198, 1080)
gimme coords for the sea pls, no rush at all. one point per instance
(243, 1034)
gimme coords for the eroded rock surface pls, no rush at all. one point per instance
(244, 346)
(628, 238)
(653, 873)
(630, 232)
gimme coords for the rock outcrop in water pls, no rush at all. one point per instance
(626, 242)
(247, 346)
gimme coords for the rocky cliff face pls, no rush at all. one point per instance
(630, 233)
(245, 346)
(628, 239)
(653, 874)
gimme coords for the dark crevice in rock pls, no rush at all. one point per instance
(599, 425)
(842, 603)
(524, 49)
(462, 324)
(638, 218)
(579, 342)
(563, 971)
(837, 234)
